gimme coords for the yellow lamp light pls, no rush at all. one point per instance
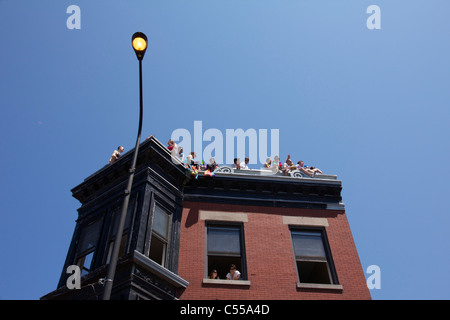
(139, 43)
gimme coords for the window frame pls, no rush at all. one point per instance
(331, 270)
(81, 255)
(159, 237)
(116, 212)
(241, 256)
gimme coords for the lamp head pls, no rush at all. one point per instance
(139, 43)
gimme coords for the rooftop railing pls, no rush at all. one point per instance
(268, 172)
(199, 169)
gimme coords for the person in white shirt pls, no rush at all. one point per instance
(244, 164)
(233, 274)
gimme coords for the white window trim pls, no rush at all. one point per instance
(223, 216)
(305, 221)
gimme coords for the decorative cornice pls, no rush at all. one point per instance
(259, 187)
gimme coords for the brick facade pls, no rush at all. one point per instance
(270, 260)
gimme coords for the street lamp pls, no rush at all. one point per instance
(139, 43)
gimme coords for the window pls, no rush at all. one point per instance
(224, 248)
(126, 230)
(160, 236)
(312, 257)
(87, 244)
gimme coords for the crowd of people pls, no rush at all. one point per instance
(274, 165)
(289, 166)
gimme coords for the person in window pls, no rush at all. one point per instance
(213, 275)
(233, 274)
(116, 154)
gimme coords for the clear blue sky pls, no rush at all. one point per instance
(371, 106)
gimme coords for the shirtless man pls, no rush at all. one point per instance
(310, 171)
(116, 154)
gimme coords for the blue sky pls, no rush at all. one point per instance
(371, 106)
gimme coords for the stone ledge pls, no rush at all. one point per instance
(319, 286)
(226, 282)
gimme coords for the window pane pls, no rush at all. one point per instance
(89, 236)
(161, 222)
(224, 240)
(121, 249)
(86, 262)
(313, 272)
(157, 250)
(116, 218)
(308, 244)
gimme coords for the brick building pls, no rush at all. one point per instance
(287, 235)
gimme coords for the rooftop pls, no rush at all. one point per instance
(260, 186)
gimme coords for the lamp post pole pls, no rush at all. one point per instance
(115, 254)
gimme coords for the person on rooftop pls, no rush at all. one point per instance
(236, 164)
(288, 166)
(180, 153)
(171, 144)
(268, 163)
(116, 154)
(244, 164)
(276, 164)
(173, 148)
(212, 165)
(310, 171)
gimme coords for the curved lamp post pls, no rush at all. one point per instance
(139, 43)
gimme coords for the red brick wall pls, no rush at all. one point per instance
(271, 267)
